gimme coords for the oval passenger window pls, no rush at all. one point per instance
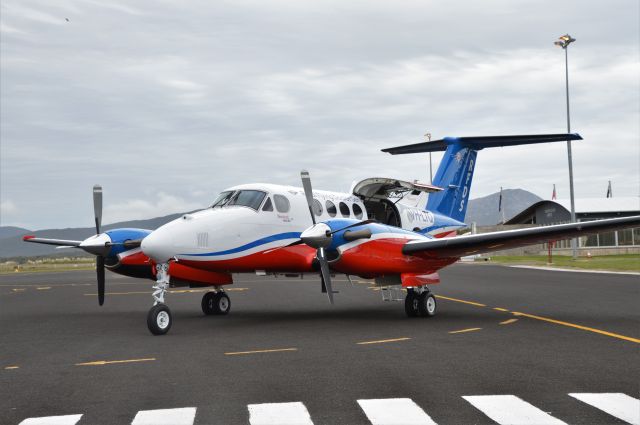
(344, 209)
(331, 209)
(317, 207)
(357, 211)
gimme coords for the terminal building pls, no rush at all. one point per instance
(547, 212)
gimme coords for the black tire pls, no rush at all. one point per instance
(221, 303)
(208, 303)
(427, 305)
(159, 319)
(411, 304)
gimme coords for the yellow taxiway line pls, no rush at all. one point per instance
(573, 325)
(11, 367)
(509, 321)
(465, 330)
(460, 301)
(382, 341)
(104, 362)
(274, 350)
(500, 309)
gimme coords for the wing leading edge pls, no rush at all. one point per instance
(496, 241)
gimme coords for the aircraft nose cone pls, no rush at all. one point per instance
(158, 245)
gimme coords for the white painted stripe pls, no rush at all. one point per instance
(279, 414)
(619, 405)
(394, 411)
(53, 420)
(181, 416)
(509, 409)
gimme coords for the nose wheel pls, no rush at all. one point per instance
(159, 319)
(217, 303)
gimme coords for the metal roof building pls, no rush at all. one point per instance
(553, 212)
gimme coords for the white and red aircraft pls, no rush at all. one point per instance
(396, 232)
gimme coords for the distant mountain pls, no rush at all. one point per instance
(484, 211)
(13, 245)
(9, 231)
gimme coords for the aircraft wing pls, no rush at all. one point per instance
(59, 242)
(461, 246)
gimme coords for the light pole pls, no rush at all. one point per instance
(564, 41)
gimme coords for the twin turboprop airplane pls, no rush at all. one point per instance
(396, 232)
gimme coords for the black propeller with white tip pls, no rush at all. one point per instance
(320, 236)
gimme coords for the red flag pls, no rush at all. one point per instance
(553, 195)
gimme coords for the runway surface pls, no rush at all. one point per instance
(507, 345)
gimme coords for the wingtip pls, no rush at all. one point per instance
(27, 237)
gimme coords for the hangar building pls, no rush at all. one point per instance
(559, 211)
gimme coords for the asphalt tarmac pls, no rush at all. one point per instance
(530, 338)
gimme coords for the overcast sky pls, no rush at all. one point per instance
(167, 103)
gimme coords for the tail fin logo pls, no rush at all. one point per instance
(460, 155)
(465, 190)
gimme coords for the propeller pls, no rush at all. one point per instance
(320, 236)
(317, 236)
(97, 210)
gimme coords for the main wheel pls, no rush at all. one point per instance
(215, 303)
(411, 304)
(208, 303)
(221, 303)
(427, 305)
(159, 319)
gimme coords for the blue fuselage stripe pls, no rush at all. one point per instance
(268, 239)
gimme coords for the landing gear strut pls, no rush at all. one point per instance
(420, 302)
(159, 317)
(216, 303)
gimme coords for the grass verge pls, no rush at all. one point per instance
(622, 263)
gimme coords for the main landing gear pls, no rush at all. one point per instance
(216, 303)
(159, 317)
(420, 302)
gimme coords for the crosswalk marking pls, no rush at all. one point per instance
(619, 405)
(393, 411)
(53, 420)
(509, 409)
(279, 413)
(181, 416)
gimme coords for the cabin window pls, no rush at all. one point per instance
(357, 211)
(344, 209)
(268, 206)
(222, 199)
(282, 203)
(247, 198)
(317, 207)
(331, 209)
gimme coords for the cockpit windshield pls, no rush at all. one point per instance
(222, 199)
(240, 198)
(247, 198)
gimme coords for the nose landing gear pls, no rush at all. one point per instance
(159, 317)
(420, 302)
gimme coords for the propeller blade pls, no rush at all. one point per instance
(100, 275)
(361, 223)
(97, 206)
(308, 192)
(325, 273)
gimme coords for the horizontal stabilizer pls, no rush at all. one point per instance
(461, 246)
(60, 242)
(481, 142)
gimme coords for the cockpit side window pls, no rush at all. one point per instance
(268, 206)
(331, 209)
(248, 198)
(317, 207)
(222, 199)
(282, 203)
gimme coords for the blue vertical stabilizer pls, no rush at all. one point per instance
(455, 172)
